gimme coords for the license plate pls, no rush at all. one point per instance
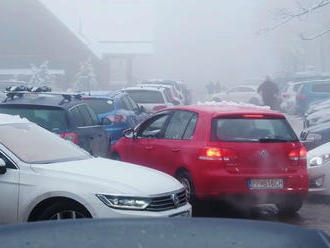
(266, 184)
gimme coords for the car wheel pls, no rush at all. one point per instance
(115, 156)
(64, 210)
(185, 179)
(290, 206)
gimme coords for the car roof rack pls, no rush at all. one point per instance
(66, 95)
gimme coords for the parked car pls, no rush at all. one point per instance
(151, 98)
(311, 91)
(242, 93)
(119, 108)
(44, 177)
(289, 94)
(318, 163)
(65, 115)
(223, 152)
(2, 96)
(177, 86)
(170, 92)
(315, 136)
(5, 84)
(317, 118)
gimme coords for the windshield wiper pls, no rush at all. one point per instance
(265, 140)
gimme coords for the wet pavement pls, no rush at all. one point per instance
(311, 215)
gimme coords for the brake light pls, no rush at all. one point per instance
(298, 154)
(300, 97)
(253, 116)
(159, 107)
(212, 153)
(117, 118)
(73, 137)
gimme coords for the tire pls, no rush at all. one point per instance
(115, 156)
(63, 210)
(185, 179)
(290, 206)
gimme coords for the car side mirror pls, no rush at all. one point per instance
(106, 122)
(3, 167)
(130, 133)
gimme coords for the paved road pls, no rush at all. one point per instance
(311, 215)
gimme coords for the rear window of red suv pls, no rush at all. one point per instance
(252, 130)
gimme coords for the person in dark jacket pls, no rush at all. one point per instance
(269, 92)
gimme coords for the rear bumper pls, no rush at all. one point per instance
(222, 185)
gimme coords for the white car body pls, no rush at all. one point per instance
(318, 165)
(241, 93)
(25, 186)
(289, 94)
(149, 105)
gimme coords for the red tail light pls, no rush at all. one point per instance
(253, 116)
(159, 107)
(212, 153)
(298, 154)
(300, 97)
(73, 137)
(117, 118)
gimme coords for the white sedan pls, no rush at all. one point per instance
(318, 163)
(44, 177)
(242, 93)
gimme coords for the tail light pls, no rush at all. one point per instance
(212, 153)
(159, 107)
(298, 154)
(73, 137)
(300, 97)
(117, 118)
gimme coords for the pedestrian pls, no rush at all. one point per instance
(269, 92)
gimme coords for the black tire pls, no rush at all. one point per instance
(185, 179)
(115, 156)
(63, 210)
(290, 206)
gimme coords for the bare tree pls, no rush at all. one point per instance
(285, 16)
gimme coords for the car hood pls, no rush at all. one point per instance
(112, 176)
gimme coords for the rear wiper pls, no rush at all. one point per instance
(265, 140)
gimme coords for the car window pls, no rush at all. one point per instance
(296, 87)
(100, 106)
(76, 117)
(321, 88)
(188, 134)
(128, 103)
(146, 96)
(251, 129)
(153, 129)
(133, 103)
(88, 121)
(9, 164)
(93, 116)
(177, 125)
(53, 119)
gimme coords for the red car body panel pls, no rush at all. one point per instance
(215, 179)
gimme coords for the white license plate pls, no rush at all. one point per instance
(266, 183)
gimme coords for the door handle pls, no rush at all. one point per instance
(148, 147)
(176, 149)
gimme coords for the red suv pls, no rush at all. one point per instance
(220, 152)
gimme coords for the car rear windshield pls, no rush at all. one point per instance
(252, 130)
(146, 96)
(50, 118)
(100, 106)
(35, 145)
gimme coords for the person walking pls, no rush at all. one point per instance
(269, 92)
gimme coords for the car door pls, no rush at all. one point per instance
(9, 188)
(143, 150)
(176, 143)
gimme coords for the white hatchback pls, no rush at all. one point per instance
(43, 177)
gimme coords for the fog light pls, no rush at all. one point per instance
(319, 182)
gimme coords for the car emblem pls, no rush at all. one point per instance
(264, 154)
(175, 200)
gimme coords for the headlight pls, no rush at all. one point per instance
(124, 202)
(319, 160)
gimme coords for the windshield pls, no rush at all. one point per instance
(252, 130)
(146, 96)
(100, 106)
(52, 119)
(38, 146)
